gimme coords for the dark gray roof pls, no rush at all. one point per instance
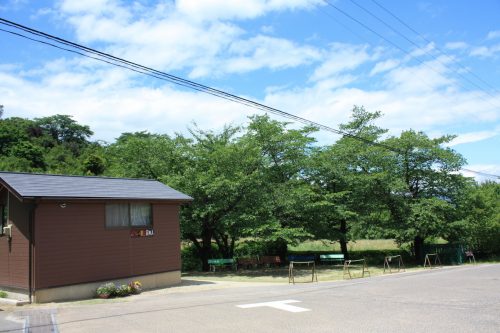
(28, 185)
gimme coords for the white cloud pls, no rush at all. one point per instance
(427, 76)
(111, 104)
(421, 51)
(12, 5)
(203, 10)
(493, 34)
(263, 51)
(456, 45)
(204, 39)
(190, 35)
(485, 51)
(341, 57)
(110, 101)
(267, 29)
(486, 172)
(384, 66)
(473, 137)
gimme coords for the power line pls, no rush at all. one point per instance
(428, 41)
(418, 46)
(177, 80)
(396, 45)
(481, 173)
(126, 64)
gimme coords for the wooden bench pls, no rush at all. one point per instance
(301, 257)
(331, 258)
(270, 260)
(248, 262)
(221, 263)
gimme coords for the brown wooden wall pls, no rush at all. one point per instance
(14, 253)
(73, 246)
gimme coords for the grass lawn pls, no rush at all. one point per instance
(280, 274)
(359, 245)
(372, 250)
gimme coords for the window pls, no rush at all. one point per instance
(140, 215)
(128, 215)
(2, 218)
(117, 215)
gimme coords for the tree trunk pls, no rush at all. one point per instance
(418, 249)
(278, 247)
(343, 239)
(206, 249)
(231, 248)
(225, 244)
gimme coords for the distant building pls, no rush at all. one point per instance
(63, 236)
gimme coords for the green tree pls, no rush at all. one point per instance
(425, 184)
(63, 130)
(51, 144)
(145, 155)
(478, 222)
(346, 177)
(286, 194)
(221, 173)
(13, 131)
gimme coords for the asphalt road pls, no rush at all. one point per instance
(457, 299)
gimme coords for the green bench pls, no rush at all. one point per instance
(331, 258)
(221, 263)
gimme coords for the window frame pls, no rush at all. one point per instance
(150, 219)
(3, 218)
(129, 225)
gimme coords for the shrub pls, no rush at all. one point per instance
(135, 287)
(249, 248)
(106, 290)
(110, 289)
(3, 294)
(190, 259)
(122, 290)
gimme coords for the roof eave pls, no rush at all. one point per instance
(12, 190)
(49, 198)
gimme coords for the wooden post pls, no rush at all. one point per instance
(388, 260)
(365, 269)
(347, 267)
(427, 260)
(470, 255)
(291, 275)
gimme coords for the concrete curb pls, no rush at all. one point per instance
(10, 301)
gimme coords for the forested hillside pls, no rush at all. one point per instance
(271, 186)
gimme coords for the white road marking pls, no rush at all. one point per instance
(280, 305)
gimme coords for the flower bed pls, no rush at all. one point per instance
(109, 289)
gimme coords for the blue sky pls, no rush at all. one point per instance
(301, 56)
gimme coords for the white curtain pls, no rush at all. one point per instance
(117, 215)
(140, 215)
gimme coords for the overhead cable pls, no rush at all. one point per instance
(343, 12)
(437, 48)
(123, 63)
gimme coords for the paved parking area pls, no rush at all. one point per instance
(459, 299)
